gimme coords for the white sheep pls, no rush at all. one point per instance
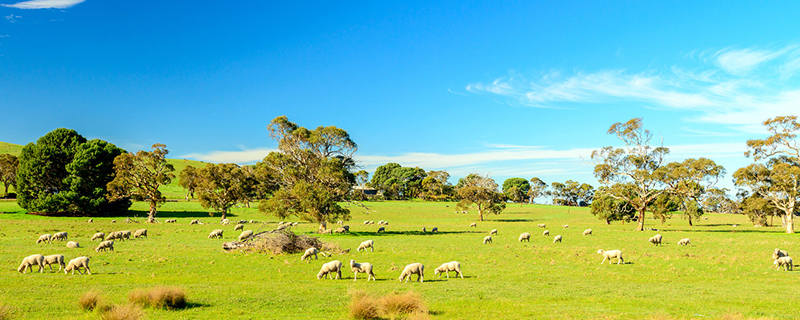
(30, 261)
(195, 221)
(329, 268)
(125, 234)
(363, 267)
(114, 235)
(473, 225)
(241, 222)
(366, 244)
(525, 236)
(46, 238)
(141, 233)
(238, 227)
(541, 225)
(565, 226)
(779, 253)
(447, 267)
(59, 236)
(90, 220)
(487, 239)
(611, 254)
(557, 239)
(785, 262)
(73, 245)
(215, 234)
(225, 221)
(105, 246)
(309, 252)
(493, 232)
(245, 234)
(683, 242)
(171, 221)
(411, 269)
(57, 259)
(656, 239)
(587, 232)
(98, 236)
(366, 221)
(77, 264)
(546, 233)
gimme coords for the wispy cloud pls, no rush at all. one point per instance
(12, 18)
(240, 156)
(738, 88)
(44, 4)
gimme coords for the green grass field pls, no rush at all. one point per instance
(726, 273)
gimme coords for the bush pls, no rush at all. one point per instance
(397, 305)
(363, 306)
(159, 297)
(89, 300)
(407, 305)
(123, 312)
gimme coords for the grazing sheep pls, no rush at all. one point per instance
(435, 229)
(487, 239)
(525, 236)
(683, 242)
(98, 236)
(54, 259)
(245, 234)
(125, 235)
(447, 267)
(546, 233)
(329, 268)
(44, 238)
(238, 227)
(541, 225)
(171, 221)
(414, 268)
(242, 221)
(424, 230)
(473, 225)
(656, 239)
(587, 232)
(73, 245)
(217, 233)
(366, 244)
(77, 264)
(779, 253)
(785, 262)
(363, 267)
(141, 233)
(59, 236)
(225, 221)
(366, 221)
(105, 246)
(342, 229)
(309, 252)
(90, 220)
(195, 221)
(557, 239)
(30, 261)
(565, 226)
(611, 254)
(493, 232)
(113, 221)
(381, 229)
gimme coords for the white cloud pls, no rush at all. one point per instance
(241, 156)
(11, 18)
(44, 4)
(744, 60)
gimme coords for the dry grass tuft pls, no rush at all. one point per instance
(89, 300)
(407, 305)
(401, 304)
(123, 312)
(159, 297)
(738, 316)
(6, 312)
(363, 306)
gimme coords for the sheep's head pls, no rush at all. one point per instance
(352, 262)
(600, 251)
(21, 267)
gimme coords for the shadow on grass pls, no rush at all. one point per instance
(510, 220)
(402, 233)
(192, 305)
(173, 214)
(732, 231)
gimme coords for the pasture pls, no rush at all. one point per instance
(726, 273)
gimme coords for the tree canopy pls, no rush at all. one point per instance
(140, 175)
(8, 171)
(221, 186)
(516, 189)
(398, 182)
(482, 192)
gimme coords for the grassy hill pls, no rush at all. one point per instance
(171, 191)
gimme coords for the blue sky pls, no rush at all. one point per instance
(505, 89)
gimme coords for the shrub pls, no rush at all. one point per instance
(123, 312)
(89, 300)
(397, 305)
(363, 306)
(159, 297)
(407, 305)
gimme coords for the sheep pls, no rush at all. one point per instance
(99, 235)
(342, 229)
(487, 239)
(785, 262)
(73, 245)
(77, 264)
(611, 254)
(525, 236)
(656, 239)
(129, 220)
(587, 232)
(493, 232)
(90, 220)
(225, 221)
(366, 244)
(473, 225)
(125, 235)
(366, 221)
(113, 221)
(30, 261)
(381, 229)
(245, 234)
(171, 221)
(329, 268)
(424, 230)
(141, 233)
(447, 267)
(238, 227)
(217, 233)
(557, 239)
(46, 238)
(542, 225)
(54, 259)
(565, 226)
(546, 233)
(59, 236)
(105, 245)
(683, 242)
(195, 221)
(309, 252)
(241, 222)
(295, 223)
(114, 235)
(435, 229)
(363, 267)
(414, 268)
(779, 253)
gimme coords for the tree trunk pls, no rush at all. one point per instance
(6, 193)
(689, 216)
(480, 214)
(790, 223)
(151, 216)
(641, 220)
(224, 214)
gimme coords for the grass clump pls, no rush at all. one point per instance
(6, 312)
(89, 300)
(363, 306)
(121, 312)
(159, 298)
(407, 305)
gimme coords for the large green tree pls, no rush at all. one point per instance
(436, 186)
(572, 193)
(481, 192)
(398, 182)
(516, 189)
(689, 181)
(221, 186)
(64, 173)
(140, 176)
(189, 179)
(312, 169)
(538, 189)
(8, 171)
(609, 208)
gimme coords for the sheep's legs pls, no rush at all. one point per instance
(619, 261)
(355, 276)
(461, 275)
(604, 260)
